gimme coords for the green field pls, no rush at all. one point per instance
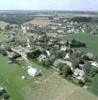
(90, 40)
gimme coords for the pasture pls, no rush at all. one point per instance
(90, 40)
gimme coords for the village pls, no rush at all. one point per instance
(51, 51)
(55, 24)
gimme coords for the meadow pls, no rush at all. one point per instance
(90, 40)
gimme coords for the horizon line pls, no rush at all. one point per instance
(46, 10)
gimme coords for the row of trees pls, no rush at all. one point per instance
(16, 18)
(75, 44)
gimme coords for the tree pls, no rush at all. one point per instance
(0, 29)
(46, 63)
(75, 43)
(6, 96)
(65, 71)
(7, 27)
(67, 43)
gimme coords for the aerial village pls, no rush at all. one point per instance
(52, 52)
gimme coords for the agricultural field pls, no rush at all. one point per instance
(40, 22)
(90, 40)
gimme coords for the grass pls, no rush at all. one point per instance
(90, 40)
(94, 85)
(55, 88)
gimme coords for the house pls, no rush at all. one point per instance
(69, 63)
(85, 66)
(67, 56)
(33, 71)
(90, 56)
(57, 62)
(63, 48)
(48, 52)
(28, 43)
(79, 74)
(94, 63)
(42, 58)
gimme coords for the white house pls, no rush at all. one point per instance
(94, 63)
(63, 48)
(79, 74)
(42, 57)
(67, 56)
(48, 52)
(33, 71)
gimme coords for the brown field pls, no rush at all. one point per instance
(41, 22)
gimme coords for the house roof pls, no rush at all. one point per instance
(32, 71)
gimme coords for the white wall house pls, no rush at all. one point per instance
(33, 71)
(79, 74)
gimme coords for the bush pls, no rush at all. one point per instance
(6, 96)
(65, 71)
(93, 71)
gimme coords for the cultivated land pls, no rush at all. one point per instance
(90, 40)
(50, 86)
(41, 22)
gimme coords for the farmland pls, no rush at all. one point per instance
(90, 40)
(41, 22)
